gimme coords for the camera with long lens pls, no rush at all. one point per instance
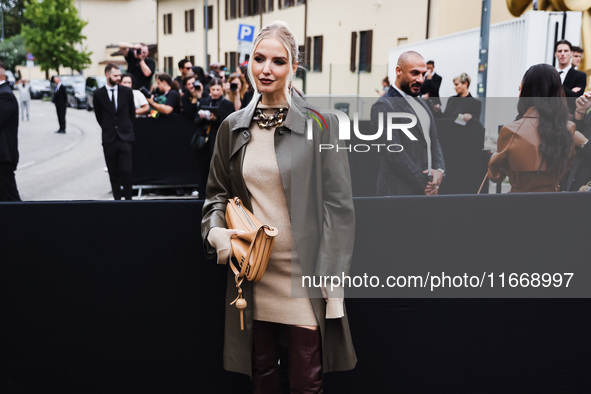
(145, 92)
(197, 85)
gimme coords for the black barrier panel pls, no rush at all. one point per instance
(117, 297)
(491, 239)
(162, 154)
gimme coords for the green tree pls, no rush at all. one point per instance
(13, 52)
(13, 16)
(52, 31)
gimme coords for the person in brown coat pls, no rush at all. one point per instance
(264, 155)
(537, 149)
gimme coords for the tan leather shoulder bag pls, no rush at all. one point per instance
(251, 249)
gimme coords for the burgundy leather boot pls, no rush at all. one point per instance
(265, 359)
(305, 360)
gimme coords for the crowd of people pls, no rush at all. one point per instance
(203, 99)
(207, 98)
(188, 91)
(544, 150)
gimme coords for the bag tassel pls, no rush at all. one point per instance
(240, 302)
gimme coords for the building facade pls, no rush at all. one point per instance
(114, 21)
(344, 43)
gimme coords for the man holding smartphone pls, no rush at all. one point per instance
(139, 65)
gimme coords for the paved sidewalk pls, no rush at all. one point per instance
(61, 166)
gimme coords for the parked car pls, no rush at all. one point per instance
(92, 84)
(39, 88)
(74, 85)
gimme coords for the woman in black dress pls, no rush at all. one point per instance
(462, 107)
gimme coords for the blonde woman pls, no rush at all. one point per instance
(463, 106)
(265, 156)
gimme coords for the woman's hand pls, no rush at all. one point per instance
(583, 104)
(233, 231)
(219, 236)
(219, 239)
(465, 117)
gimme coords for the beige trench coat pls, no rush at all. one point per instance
(317, 188)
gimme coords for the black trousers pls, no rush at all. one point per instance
(61, 115)
(8, 190)
(118, 158)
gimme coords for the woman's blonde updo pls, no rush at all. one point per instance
(463, 78)
(280, 31)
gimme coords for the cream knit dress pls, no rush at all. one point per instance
(273, 301)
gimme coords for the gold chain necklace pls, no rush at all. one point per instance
(268, 121)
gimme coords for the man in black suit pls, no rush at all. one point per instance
(573, 81)
(432, 82)
(430, 89)
(8, 140)
(60, 99)
(115, 110)
(419, 167)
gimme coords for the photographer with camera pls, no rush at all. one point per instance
(204, 79)
(193, 92)
(169, 100)
(235, 89)
(139, 65)
(212, 112)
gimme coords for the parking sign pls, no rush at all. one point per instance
(245, 33)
